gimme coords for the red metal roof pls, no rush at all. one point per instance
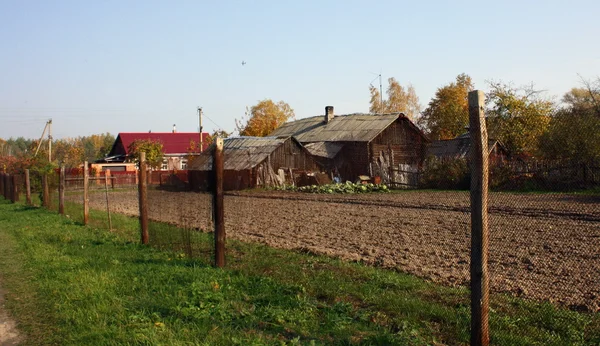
(173, 143)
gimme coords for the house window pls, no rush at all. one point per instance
(183, 164)
(164, 165)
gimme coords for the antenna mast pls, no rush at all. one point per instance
(201, 140)
(380, 91)
(380, 95)
(50, 140)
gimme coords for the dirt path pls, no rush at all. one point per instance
(9, 335)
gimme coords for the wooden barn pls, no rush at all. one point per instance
(250, 162)
(458, 148)
(384, 146)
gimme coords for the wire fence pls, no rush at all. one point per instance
(544, 245)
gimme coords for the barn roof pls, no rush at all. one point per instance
(324, 149)
(342, 128)
(173, 143)
(457, 147)
(239, 153)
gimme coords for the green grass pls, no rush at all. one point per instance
(67, 284)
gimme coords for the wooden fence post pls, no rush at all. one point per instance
(5, 185)
(61, 190)
(46, 191)
(15, 189)
(2, 183)
(27, 187)
(143, 196)
(6, 191)
(218, 209)
(106, 174)
(479, 220)
(8, 187)
(86, 197)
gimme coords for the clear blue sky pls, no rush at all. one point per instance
(134, 66)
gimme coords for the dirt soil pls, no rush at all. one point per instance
(9, 336)
(541, 246)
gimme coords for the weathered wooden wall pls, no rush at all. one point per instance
(405, 142)
(292, 155)
(353, 160)
(397, 154)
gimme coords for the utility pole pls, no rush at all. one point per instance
(201, 140)
(49, 127)
(41, 139)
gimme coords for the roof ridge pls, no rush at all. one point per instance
(350, 114)
(159, 133)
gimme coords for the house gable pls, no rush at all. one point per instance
(407, 143)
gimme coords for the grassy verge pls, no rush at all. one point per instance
(72, 285)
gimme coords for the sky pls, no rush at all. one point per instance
(137, 66)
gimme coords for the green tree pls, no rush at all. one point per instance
(518, 117)
(447, 114)
(3, 147)
(68, 152)
(263, 118)
(152, 148)
(71, 152)
(573, 133)
(97, 146)
(399, 99)
(19, 145)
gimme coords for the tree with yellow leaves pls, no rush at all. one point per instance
(447, 114)
(263, 118)
(518, 117)
(399, 99)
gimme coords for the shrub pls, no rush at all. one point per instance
(445, 174)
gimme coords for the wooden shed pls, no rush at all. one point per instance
(388, 146)
(251, 162)
(458, 148)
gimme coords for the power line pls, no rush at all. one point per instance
(217, 125)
